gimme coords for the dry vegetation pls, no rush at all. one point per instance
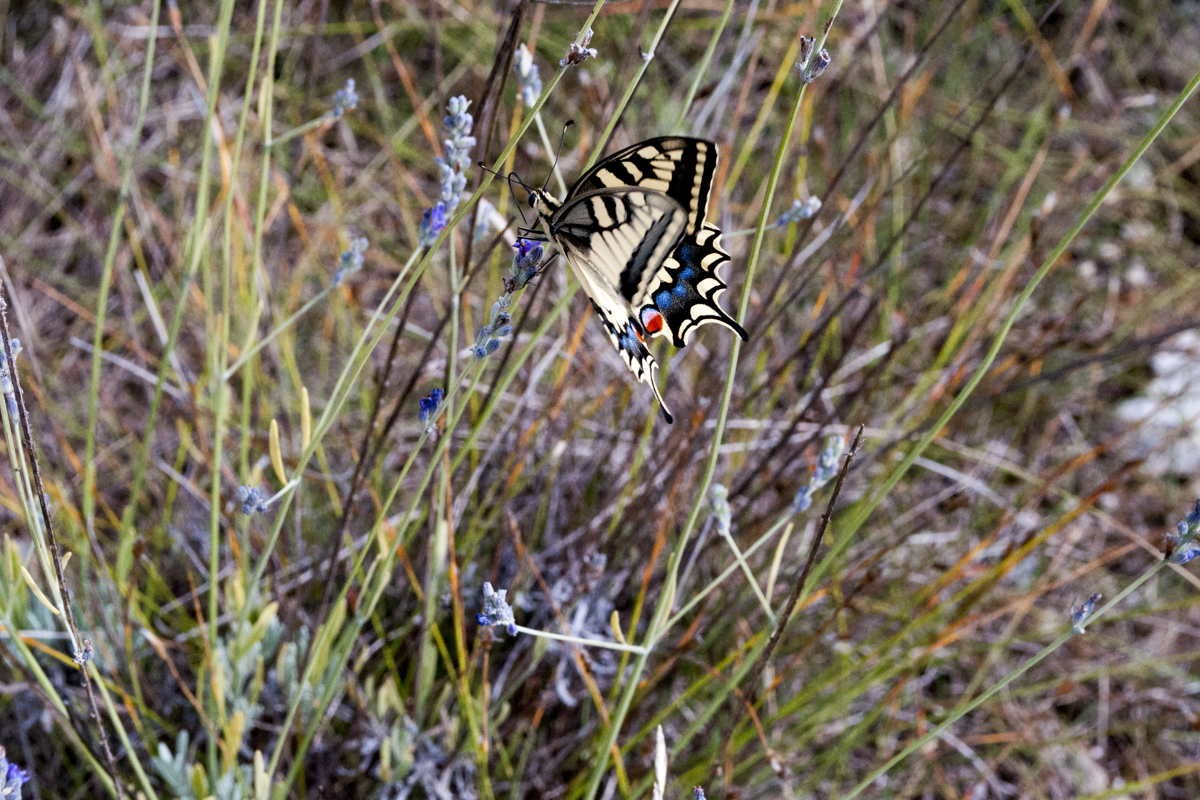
(1010, 330)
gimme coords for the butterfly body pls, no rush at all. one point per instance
(633, 231)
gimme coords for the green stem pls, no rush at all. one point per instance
(705, 60)
(282, 327)
(961, 711)
(299, 130)
(657, 627)
(858, 516)
(615, 117)
(388, 308)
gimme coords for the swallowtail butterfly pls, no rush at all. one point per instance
(632, 229)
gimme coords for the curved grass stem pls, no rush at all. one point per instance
(657, 628)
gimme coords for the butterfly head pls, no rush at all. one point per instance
(543, 203)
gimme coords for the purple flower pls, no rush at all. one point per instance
(526, 263)
(432, 223)
(253, 500)
(453, 167)
(826, 469)
(579, 51)
(800, 210)
(812, 64)
(528, 250)
(496, 610)
(1185, 539)
(1185, 553)
(12, 777)
(350, 260)
(1081, 613)
(487, 339)
(528, 80)
(346, 99)
(430, 404)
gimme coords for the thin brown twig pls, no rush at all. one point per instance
(493, 87)
(798, 585)
(815, 395)
(56, 549)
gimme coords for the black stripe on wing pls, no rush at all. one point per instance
(627, 233)
(664, 230)
(680, 166)
(688, 288)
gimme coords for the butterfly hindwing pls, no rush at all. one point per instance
(686, 288)
(627, 336)
(614, 240)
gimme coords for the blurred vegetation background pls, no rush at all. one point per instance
(259, 563)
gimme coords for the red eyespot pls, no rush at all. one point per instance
(652, 321)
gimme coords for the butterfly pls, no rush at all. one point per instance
(632, 229)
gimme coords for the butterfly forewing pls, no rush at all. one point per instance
(678, 166)
(685, 287)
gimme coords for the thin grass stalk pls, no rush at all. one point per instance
(283, 327)
(667, 596)
(58, 576)
(194, 249)
(34, 667)
(106, 279)
(642, 451)
(857, 516)
(390, 305)
(218, 330)
(962, 710)
(437, 563)
(913, 638)
(705, 61)
(147, 788)
(606, 134)
(374, 594)
(251, 314)
(851, 157)
(409, 516)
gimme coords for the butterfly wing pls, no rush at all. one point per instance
(684, 288)
(678, 166)
(615, 241)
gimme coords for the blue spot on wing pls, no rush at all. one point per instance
(679, 295)
(629, 340)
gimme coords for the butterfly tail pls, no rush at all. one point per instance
(666, 412)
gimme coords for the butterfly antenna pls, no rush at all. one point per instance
(561, 139)
(488, 169)
(510, 177)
